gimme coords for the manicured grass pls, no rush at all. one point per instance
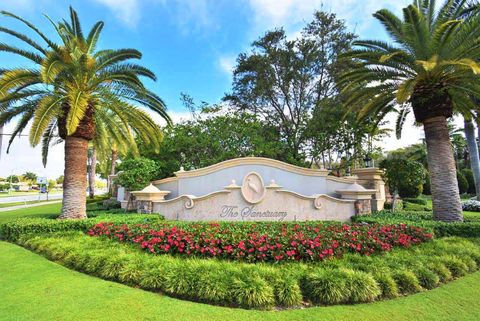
(34, 288)
(14, 194)
(38, 211)
(3, 205)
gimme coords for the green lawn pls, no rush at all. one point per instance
(2, 205)
(14, 194)
(38, 211)
(33, 288)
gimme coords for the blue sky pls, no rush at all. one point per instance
(190, 44)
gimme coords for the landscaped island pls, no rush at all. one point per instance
(257, 265)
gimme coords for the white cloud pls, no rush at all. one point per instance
(292, 14)
(127, 11)
(227, 64)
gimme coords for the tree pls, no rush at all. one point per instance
(403, 176)
(81, 90)
(214, 137)
(59, 179)
(283, 81)
(29, 177)
(91, 169)
(136, 173)
(12, 179)
(432, 69)
(469, 129)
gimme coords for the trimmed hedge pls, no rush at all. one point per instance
(469, 228)
(352, 279)
(419, 201)
(11, 231)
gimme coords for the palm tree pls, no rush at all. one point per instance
(469, 129)
(75, 89)
(430, 67)
(92, 164)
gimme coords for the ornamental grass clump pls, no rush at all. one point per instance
(455, 265)
(386, 283)
(362, 287)
(407, 282)
(327, 286)
(251, 291)
(426, 278)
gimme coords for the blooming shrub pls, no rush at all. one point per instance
(265, 242)
(471, 206)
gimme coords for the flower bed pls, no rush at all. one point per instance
(352, 279)
(264, 242)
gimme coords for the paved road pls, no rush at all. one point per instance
(35, 197)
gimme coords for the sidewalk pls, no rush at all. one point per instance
(16, 207)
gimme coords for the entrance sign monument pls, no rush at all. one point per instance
(291, 193)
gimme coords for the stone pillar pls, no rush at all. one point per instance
(147, 196)
(361, 196)
(371, 178)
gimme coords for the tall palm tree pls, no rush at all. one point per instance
(469, 129)
(431, 67)
(74, 89)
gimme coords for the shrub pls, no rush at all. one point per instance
(327, 286)
(468, 174)
(423, 219)
(404, 176)
(462, 183)
(407, 282)
(362, 287)
(11, 231)
(251, 291)
(410, 190)
(136, 173)
(471, 206)
(111, 203)
(386, 283)
(263, 242)
(407, 206)
(288, 292)
(426, 278)
(419, 201)
(455, 265)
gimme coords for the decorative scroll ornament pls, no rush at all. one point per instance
(253, 189)
(189, 203)
(318, 202)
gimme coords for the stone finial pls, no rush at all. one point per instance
(233, 184)
(150, 193)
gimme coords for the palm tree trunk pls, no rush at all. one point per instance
(473, 152)
(112, 189)
(443, 173)
(75, 178)
(92, 173)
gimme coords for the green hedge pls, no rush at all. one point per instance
(419, 201)
(352, 279)
(11, 231)
(469, 228)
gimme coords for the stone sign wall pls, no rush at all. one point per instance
(257, 189)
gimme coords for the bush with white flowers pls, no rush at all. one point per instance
(471, 206)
